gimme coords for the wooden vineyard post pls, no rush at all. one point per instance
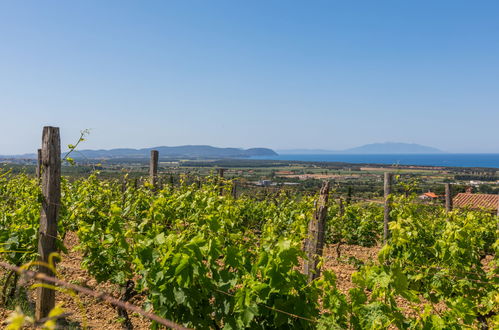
(234, 189)
(349, 195)
(221, 176)
(124, 185)
(153, 168)
(51, 198)
(388, 206)
(314, 243)
(448, 197)
(342, 207)
(39, 165)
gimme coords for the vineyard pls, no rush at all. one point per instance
(199, 256)
(207, 260)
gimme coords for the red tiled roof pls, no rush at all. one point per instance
(477, 201)
(431, 194)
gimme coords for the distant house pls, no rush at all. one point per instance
(264, 183)
(489, 202)
(428, 196)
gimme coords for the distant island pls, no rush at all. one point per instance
(393, 148)
(386, 148)
(210, 152)
(188, 151)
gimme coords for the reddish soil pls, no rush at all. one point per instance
(100, 315)
(344, 265)
(96, 314)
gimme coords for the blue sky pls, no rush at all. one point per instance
(279, 74)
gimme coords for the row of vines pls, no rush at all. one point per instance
(208, 260)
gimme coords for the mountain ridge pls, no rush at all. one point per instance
(188, 151)
(210, 152)
(371, 148)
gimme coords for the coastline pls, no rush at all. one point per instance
(426, 160)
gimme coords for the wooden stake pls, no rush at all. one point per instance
(388, 206)
(448, 197)
(316, 234)
(234, 189)
(51, 198)
(349, 195)
(124, 185)
(342, 207)
(153, 168)
(221, 175)
(39, 165)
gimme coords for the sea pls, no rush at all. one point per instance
(453, 160)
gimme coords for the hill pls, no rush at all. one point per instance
(189, 151)
(373, 148)
(393, 148)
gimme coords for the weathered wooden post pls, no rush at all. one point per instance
(221, 176)
(316, 235)
(39, 165)
(234, 189)
(124, 184)
(342, 207)
(153, 168)
(51, 198)
(448, 197)
(124, 187)
(388, 205)
(349, 195)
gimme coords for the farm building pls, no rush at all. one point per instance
(488, 202)
(428, 196)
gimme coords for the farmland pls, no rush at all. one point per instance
(204, 258)
(192, 244)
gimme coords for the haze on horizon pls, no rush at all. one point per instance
(324, 75)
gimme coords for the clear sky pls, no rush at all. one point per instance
(279, 74)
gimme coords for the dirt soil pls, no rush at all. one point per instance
(347, 262)
(95, 314)
(100, 315)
